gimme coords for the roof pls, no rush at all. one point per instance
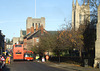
(9, 44)
(37, 34)
(52, 32)
(26, 35)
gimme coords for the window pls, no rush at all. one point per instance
(39, 25)
(28, 55)
(37, 40)
(18, 53)
(36, 24)
(80, 19)
(84, 18)
(18, 45)
(33, 24)
(74, 19)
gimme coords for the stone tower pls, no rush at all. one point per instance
(80, 14)
(35, 23)
(97, 43)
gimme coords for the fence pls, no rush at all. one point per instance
(73, 60)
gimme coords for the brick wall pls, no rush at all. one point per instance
(28, 30)
(32, 29)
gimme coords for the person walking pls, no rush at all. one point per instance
(47, 57)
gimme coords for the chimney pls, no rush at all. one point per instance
(42, 29)
(36, 27)
(32, 29)
(28, 30)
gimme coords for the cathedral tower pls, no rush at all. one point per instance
(80, 14)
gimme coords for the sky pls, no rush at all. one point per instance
(13, 14)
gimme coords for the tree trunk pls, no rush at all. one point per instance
(80, 53)
(59, 56)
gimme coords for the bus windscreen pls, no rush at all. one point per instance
(18, 52)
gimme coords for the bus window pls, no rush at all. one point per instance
(18, 45)
(18, 52)
(26, 55)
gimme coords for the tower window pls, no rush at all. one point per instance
(84, 18)
(39, 25)
(36, 25)
(37, 40)
(33, 24)
(74, 19)
(80, 19)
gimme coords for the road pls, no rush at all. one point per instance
(29, 66)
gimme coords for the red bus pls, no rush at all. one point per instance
(28, 55)
(18, 52)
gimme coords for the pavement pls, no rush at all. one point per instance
(71, 67)
(45, 66)
(0, 66)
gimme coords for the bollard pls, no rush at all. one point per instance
(85, 62)
(43, 60)
(9, 60)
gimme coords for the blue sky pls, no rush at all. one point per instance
(13, 14)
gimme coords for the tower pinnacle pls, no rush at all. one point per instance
(76, 1)
(88, 1)
(73, 2)
(77, 4)
(84, 2)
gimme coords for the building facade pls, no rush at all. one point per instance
(80, 14)
(33, 26)
(32, 38)
(15, 40)
(2, 43)
(19, 39)
(9, 47)
(97, 43)
(22, 34)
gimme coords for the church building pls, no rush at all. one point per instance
(80, 13)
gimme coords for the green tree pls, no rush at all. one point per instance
(46, 44)
(7, 40)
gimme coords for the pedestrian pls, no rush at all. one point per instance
(37, 58)
(47, 57)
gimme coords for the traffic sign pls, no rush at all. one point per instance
(2, 58)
